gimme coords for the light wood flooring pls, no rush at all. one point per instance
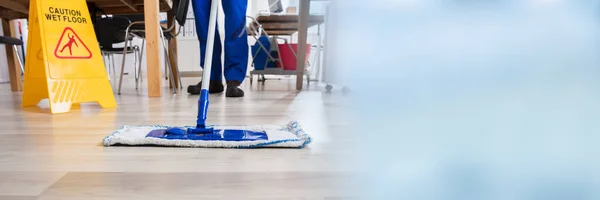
(59, 157)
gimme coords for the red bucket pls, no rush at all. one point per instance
(288, 58)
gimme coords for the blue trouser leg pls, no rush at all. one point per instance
(202, 15)
(236, 47)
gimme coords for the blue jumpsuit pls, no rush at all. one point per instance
(236, 47)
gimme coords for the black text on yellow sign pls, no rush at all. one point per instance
(65, 15)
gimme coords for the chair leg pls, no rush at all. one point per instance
(114, 70)
(125, 48)
(106, 59)
(123, 66)
(111, 62)
(104, 62)
(166, 60)
(166, 69)
(135, 60)
(121, 75)
(167, 63)
(19, 58)
(135, 72)
(141, 57)
(112, 57)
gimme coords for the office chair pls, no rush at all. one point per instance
(14, 42)
(109, 31)
(137, 29)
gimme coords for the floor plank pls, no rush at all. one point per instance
(26, 183)
(11, 197)
(38, 148)
(265, 185)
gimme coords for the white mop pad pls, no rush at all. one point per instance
(287, 136)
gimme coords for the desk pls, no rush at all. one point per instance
(18, 9)
(285, 25)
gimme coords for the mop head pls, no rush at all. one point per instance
(286, 136)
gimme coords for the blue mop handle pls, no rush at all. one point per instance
(202, 109)
(203, 101)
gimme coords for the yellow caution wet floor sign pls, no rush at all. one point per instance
(64, 63)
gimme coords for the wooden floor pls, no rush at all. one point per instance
(60, 157)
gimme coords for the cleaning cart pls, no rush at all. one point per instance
(270, 57)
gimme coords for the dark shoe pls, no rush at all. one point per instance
(214, 87)
(233, 89)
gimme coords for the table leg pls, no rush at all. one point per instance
(14, 70)
(304, 7)
(151, 16)
(317, 63)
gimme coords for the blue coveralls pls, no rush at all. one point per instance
(236, 47)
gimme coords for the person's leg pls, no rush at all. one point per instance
(63, 49)
(236, 45)
(202, 15)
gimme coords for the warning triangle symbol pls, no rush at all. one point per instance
(70, 46)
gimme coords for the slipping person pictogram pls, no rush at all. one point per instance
(70, 44)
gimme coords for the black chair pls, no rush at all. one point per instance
(180, 7)
(14, 42)
(110, 31)
(137, 28)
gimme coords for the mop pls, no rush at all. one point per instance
(290, 135)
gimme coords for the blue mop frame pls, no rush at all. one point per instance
(204, 132)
